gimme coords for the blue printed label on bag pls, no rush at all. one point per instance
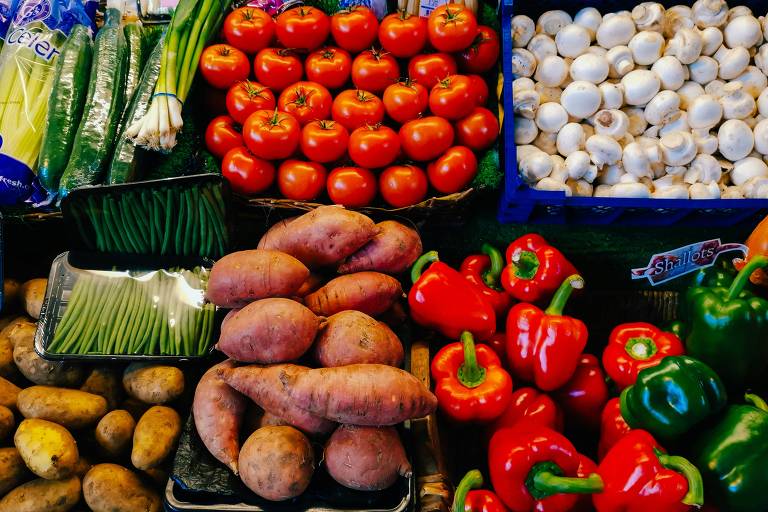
(668, 265)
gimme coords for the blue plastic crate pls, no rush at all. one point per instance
(520, 203)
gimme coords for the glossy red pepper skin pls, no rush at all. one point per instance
(534, 269)
(479, 270)
(498, 343)
(635, 346)
(612, 426)
(584, 396)
(586, 467)
(532, 406)
(483, 501)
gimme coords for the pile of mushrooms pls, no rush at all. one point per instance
(662, 103)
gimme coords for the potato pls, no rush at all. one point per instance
(370, 292)
(68, 407)
(8, 393)
(114, 432)
(277, 463)
(244, 276)
(11, 293)
(82, 467)
(37, 369)
(322, 237)
(13, 471)
(312, 283)
(352, 337)
(105, 381)
(22, 328)
(155, 436)
(48, 449)
(153, 384)
(113, 488)
(33, 294)
(7, 368)
(392, 251)
(42, 495)
(7, 422)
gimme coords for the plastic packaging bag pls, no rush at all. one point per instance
(7, 10)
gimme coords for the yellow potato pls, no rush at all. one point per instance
(7, 422)
(7, 368)
(48, 449)
(113, 488)
(8, 393)
(68, 407)
(33, 294)
(155, 436)
(83, 466)
(42, 495)
(105, 381)
(153, 384)
(37, 369)
(115, 431)
(19, 329)
(11, 288)
(13, 471)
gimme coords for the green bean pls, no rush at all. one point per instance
(125, 328)
(69, 317)
(149, 204)
(167, 236)
(112, 339)
(139, 218)
(74, 339)
(134, 235)
(114, 225)
(114, 301)
(87, 340)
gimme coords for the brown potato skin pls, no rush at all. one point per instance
(370, 292)
(322, 237)
(48, 449)
(366, 458)
(7, 367)
(13, 471)
(42, 495)
(153, 383)
(8, 393)
(155, 437)
(244, 276)
(68, 407)
(352, 337)
(269, 331)
(392, 251)
(37, 369)
(33, 294)
(11, 293)
(20, 328)
(218, 411)
(114, 432)
(113, 488)
(105, 381)
(7, 422)
(277, 463)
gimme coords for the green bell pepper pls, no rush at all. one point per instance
(673, 396)
(728, 329)
(676, 327)
(733, 458)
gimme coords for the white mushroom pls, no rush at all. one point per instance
(523, 62)
(613, 95)
(703, 169)
(602, 191)
(648, 16)
(535, 166)
(743, 31)
(732, 193)
(678, 122)
(733, 62)
(703, 70)
(559, 172)
(550, 117)
(646, 47)
(525, 130)
(590, 68)
(551, 22)
(675, 19)
(547, 142)
(526, 103)
(547, 94)
(764, 21)
(525, 150)
(677, 148)
(702, 191)
(552, 71)
(686, 45)
(735, 139)
(589, 18)
(620, 61)
(746, 169)
(523, 84)
(613, 123)
(739, 10)
(712, 38)
(581, 188)
(756, 188)
(542, 46)
(640, 86)
(578, 165)
(753, 80)
(630, 190)
(676, 191)
(761, 137)
(637, 122)
(706, 142)
(552, 185)
(662, 107)
(736, 102)
(523, 29)
(570, 139)
(616, 29)
(611, 174)
(603, 150)
(710, 13)
(761, 59)
(589, 130)
(635, 160)
(762, 103)
(704, 112)
(581, 99)
(572, 40)
(670, 71)
(688, 92)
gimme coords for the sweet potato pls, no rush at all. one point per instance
(13, 471)
(32, 295)
(37, 369)
(352, 337)
(322, 237)
(312, 283)
(42, 495)
(113, 488)
(370, 292)
(366, 458)
(105, 381)
(360, 394)
(277, 463)
(392, 251)
(269, 331)
(264, 386)
(153, 383)
(114, 432)
(218, 411)
(8, 393)
(155, 437)
(242, 277)
(70, 408)
(7, 422)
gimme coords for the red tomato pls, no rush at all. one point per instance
(428, 69)
(221, 135)
(247, 97)
(402, 34)
(329, 66)
(306, 101)
(374, 70)
(483, 54)
(271, 135)
(351, 186)
(403, 185)
(478, 130)
(451, 28)
(249, 29)
(452, 97)
(353, 109)
(480, 89)
(324, 141)
(426, 138)
(373, 146)
(453, 171)
(303, 27)
(247, 173)
(277, 69)
(406, 100)
(355, 28)
(223, 65)
(301, 181)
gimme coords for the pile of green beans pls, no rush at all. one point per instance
(154, 313)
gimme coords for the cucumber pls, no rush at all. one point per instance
(135, 41)
(65, 107)
(98, 127)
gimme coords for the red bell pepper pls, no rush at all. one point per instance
(638, 476)
(586, 467)
(483, 271)
(498, 342)
(584, 396)
(635, 346)
(529, 405)
(544, 347)
(534, 269)
(443, 300)
(470, 383)
(612, 426)
(467, 500)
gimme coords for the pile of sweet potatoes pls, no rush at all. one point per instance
(326, 367)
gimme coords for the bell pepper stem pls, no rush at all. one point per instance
(491, 276)
(756, 401)
(471, 374)
(742, 277)
(472, 480)
(545, 479)
(424, 260)
(695, 495)
(563, 294)
(641, 348)
(526, 264)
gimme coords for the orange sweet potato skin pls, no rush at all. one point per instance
(352, 337)
(392, 251)
(218, 411)
(244, 276)
(370, 292)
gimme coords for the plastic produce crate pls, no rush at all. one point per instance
(521, 203)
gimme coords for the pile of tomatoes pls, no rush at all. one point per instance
(305, 107)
